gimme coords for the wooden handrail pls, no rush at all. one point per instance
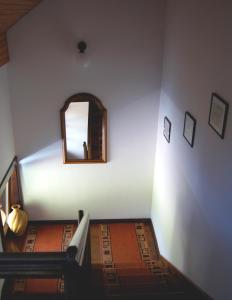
(79, 239)
(8, 174)
(52, 264)
(37, 264)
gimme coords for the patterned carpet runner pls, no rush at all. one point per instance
(125, 260)
(125, 263)
(45, 238)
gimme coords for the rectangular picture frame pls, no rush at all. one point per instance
(167, 129)
(218, 114)
(189, 128)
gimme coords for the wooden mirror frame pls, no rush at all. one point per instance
(84, 97)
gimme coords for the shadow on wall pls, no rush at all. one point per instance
(36, 207)
(192, 242)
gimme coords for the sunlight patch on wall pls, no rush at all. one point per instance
(48, 152)
(37, 178)
(166, 201)
(163, 209)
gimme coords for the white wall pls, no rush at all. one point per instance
(7, 151)
(125, 56)
(192, 203)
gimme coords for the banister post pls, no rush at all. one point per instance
(80, 215)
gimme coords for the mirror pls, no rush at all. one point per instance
(83, 129)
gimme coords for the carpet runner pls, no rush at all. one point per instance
(126, 262)
(45, 238)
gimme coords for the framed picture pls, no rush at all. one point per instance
(167, 129)
(189, 128)
(218, 114)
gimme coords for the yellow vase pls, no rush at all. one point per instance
(17, 220)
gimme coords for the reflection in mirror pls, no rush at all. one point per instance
(76, 120)
(83, 124)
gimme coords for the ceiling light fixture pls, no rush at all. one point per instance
(82, 46)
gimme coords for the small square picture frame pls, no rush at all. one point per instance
(189, 128)
(167, 129)
(218, 114)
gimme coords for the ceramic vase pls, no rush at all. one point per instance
(17, 220)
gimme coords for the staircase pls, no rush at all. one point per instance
(139, 274)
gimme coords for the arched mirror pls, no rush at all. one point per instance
(83, 129)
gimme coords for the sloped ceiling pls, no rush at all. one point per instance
(10, 12)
